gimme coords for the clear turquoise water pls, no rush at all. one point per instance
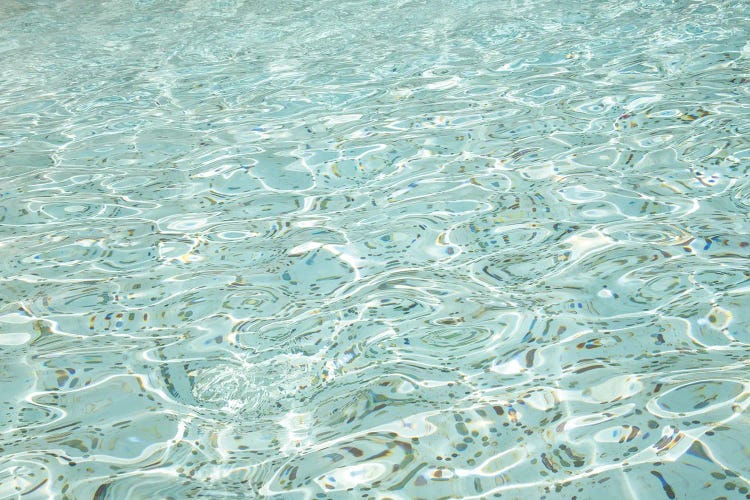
(369, 249)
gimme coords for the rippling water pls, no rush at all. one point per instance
(404, 249)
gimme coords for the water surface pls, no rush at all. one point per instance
(368, 249)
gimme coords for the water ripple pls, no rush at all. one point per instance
(297, 250)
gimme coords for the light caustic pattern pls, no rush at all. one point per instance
(352, 249)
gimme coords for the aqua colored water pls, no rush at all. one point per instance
(368, 249)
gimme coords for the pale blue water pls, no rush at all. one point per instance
(369, 249)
